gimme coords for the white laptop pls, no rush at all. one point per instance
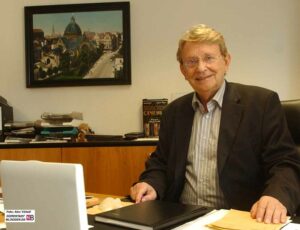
(55, 191)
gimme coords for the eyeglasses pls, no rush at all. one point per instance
(194, 62)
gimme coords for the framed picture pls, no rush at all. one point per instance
(78, 45)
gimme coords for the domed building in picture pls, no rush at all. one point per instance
(72, 35)
(72, 53)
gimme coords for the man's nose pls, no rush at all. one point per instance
(201, 66)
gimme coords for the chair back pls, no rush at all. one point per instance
(292, 113)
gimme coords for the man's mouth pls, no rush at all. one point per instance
(201, 78)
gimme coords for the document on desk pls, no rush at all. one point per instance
(232, 219)
(236, 219)
(201, 222)
(291, 226)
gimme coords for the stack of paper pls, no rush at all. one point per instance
(232, 220)
(241, 220)
(202, 222)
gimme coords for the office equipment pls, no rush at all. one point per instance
(152, 215)
(55, 191)
(6, 115)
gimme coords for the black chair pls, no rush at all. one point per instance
(292, 113)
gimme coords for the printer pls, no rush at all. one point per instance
(6, 115)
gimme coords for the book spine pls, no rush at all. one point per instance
(152, 112)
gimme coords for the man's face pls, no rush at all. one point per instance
(204, 68)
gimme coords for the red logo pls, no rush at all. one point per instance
(30, 217)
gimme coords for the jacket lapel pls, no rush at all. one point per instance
(232, 111)
(183, 134)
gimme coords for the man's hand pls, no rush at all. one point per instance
(269, 210)
(142, 191)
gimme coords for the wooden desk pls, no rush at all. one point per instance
(101, 197)
(100, 226)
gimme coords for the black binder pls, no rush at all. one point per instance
(152, 215)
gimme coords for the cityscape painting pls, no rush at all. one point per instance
(78, 45)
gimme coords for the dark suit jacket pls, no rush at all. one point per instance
(256, 155)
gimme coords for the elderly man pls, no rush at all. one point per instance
(225, 145)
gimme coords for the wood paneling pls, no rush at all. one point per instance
(41, 154)
(109, 170)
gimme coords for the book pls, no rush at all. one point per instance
(48, 123)
(13, 125)
(152, 112)
(152, 215)
(98, 137)
(26, 132)
(59, 131)
(17, 140)
(56, 117)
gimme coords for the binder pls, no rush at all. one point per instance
(152, 215)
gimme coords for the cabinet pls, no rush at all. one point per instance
(40, 154)
(107, 169)
(43, 154)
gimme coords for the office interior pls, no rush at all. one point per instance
(263, 38)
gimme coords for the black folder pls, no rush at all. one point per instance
(152, 215)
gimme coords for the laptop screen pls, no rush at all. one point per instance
(55, 191)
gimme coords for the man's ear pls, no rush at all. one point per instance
(227, 61)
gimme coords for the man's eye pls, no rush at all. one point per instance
(209, 58)
(193, 62)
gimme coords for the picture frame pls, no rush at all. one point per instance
(77, 45)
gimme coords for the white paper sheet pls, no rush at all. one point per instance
(199, 223)
(291, 226)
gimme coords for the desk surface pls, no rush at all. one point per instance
(97, 225)
(100, 226)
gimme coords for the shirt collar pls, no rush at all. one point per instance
(218, 98)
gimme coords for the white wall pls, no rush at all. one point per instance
(263, 38)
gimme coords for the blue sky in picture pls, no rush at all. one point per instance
(94, 21)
